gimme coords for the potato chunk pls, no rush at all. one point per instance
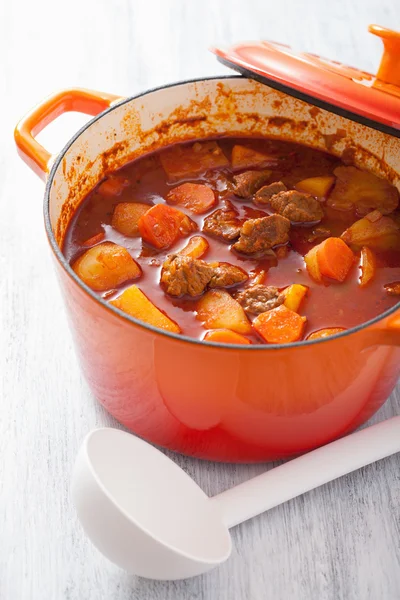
(311, 260)
(362, 190)
(368, 266)
(196, 247)
(183, 162)
(126, 216)
(218, 310)
(294, 296)
(135, 303)
(106, 266)
(374, 231)
(318, 187)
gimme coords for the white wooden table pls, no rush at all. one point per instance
(341, 542)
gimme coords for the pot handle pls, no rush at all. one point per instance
(79, 100)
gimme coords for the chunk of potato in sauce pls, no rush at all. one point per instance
(126, 227)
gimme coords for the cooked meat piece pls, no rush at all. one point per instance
(264, 195)
(319, 233)
(258, 236)
(183, 275)
(259, 298)
(226, 275)
(297, 206)
(247, 183)
(223, 223)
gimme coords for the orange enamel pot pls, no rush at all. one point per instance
(219, 402)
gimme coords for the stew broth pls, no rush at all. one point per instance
(328, 304)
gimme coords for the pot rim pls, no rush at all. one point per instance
(124, 316)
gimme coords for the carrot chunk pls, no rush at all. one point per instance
(225, 336)
(113, 186)
(335, 258)
(368, 266)
(280, 325)
(126, 216)
(95, 239)
(247, 158)
(196, 247)
(162, 225)
(135, 303)
(197, 197)
(106, 266)
(323, 333)
(182, 162)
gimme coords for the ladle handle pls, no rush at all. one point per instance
(309, 471)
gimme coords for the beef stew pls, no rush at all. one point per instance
(241, 241)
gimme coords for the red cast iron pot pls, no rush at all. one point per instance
(220, 402)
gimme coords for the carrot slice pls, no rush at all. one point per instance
(247, 158)
(113, 186)
(184, 162)
(196, 247)
(280, 325)
(126, 216)
(162, 225)
(368, 266)
(95, 239)
(225, 336)
(135, 303)
(335, 258)
(323, 333)
(197, 197)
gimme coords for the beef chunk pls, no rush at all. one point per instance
(223, 223)
(264, 195)
(183, 275)
(297, 206)
(257, 299)
(247, 183)
(258, 236)
(226, 275)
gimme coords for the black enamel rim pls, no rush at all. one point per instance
(116, 311)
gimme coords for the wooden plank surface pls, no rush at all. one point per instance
(340, 542)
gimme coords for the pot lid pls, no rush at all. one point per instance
(357, 95)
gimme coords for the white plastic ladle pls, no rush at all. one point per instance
(146, 515)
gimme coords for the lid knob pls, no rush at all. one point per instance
(389, 69)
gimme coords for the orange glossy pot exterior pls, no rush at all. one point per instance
(227, 403)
